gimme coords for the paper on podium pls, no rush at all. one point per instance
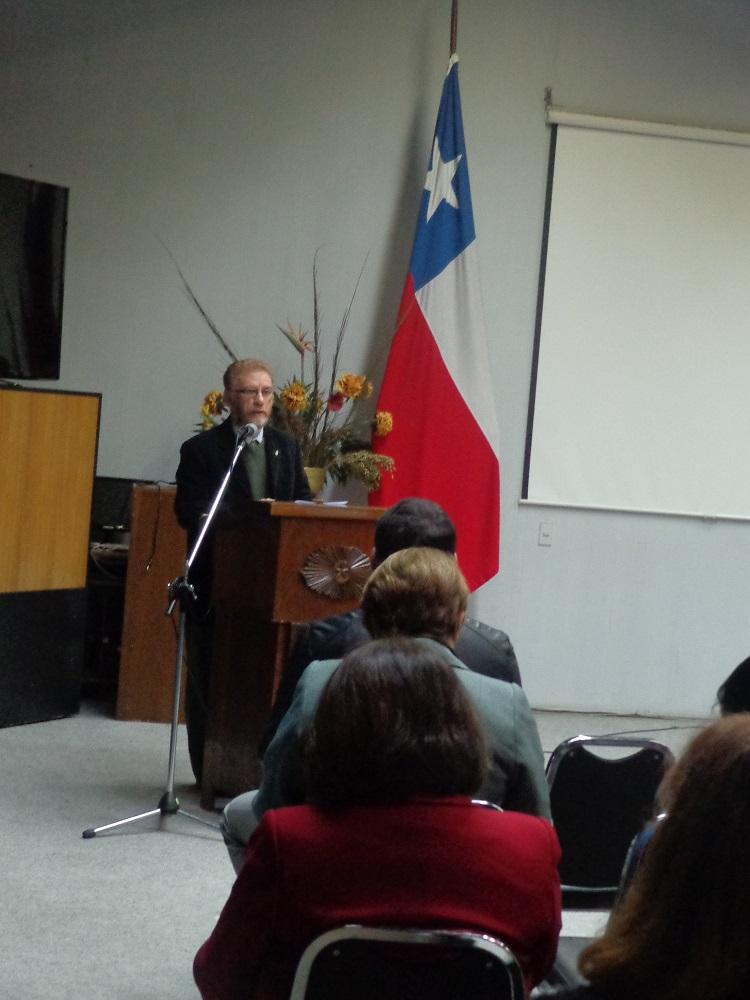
(322, 503)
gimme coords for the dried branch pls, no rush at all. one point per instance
(202, 312)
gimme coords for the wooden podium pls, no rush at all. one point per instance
(259, 591)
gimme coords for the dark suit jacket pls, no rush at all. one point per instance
(429, 863)
(204, 460)
(483, 649)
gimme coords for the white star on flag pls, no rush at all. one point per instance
(439, 181)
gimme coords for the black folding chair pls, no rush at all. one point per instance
(599, 802)
(386, 963)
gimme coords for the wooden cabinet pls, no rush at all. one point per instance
(149, 638)
(48, 442)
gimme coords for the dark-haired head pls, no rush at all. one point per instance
(734, 693)
(413, 521)
(393, 724)
(681, 931)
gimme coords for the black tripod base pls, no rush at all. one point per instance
(169, 805)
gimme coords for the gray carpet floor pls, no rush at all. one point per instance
(121, 915)
(118, 916)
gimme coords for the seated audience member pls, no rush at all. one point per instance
(734, 693)
(682, 929)
(733, 696)
(390, 836)
(416, 592)
(410, 522)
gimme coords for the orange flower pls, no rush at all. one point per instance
(293, 397)
(383, 423)
(353, 386)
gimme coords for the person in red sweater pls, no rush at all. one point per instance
(390, 836)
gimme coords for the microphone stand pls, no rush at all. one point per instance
(180, 591)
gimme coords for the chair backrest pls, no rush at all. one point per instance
(635, 855)
(599, 803)
(377, 963)
(485, 804)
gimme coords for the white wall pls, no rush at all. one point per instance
(246, 134)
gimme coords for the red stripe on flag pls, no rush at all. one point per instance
(439, 449)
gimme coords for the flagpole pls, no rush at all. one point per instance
(454, 26)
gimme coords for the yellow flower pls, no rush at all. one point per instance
(383, 423)
(293, 397)
(213, 404)
(367, 467)
(353, 386)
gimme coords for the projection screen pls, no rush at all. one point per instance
(639, 397)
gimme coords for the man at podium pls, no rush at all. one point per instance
(270, 467)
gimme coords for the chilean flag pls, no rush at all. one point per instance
(437, 382)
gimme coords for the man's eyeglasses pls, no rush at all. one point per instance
(255, 393)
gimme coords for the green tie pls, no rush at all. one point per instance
(254, 456)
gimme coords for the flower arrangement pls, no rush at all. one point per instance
(323, 415)
(212, 411)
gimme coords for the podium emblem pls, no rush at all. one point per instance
(338, 572)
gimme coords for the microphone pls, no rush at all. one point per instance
(247, 434)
